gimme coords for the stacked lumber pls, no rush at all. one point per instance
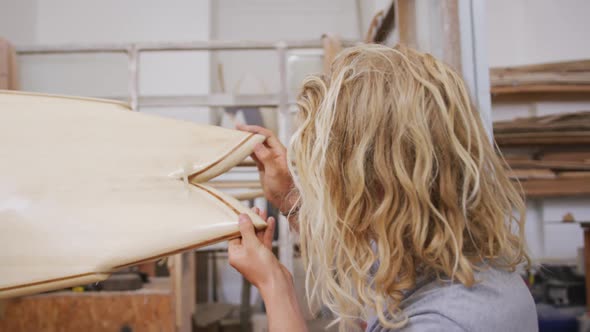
(558, 129)
(549, 155)
(570, 76)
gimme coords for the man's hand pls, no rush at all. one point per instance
(252, 255)
(271, 160)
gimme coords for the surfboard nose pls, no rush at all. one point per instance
(96, 180)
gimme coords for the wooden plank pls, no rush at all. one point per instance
(407, 22)
(4, 63)
(182, 277)
(9, 77)
(527, 97)
(561, 187)
(386, 26)
(510, 156)
(542, 128)
(573, 174)
(570, 76)
(527, 174)
(580, 156)
(551, 138)
(332, 46)
(539, 88)
(550, 164)
(576, 121)
(556, 79)
(423, 23)
(561, 66)
(148, 309)
(450, 34)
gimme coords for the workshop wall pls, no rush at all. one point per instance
(112, 21)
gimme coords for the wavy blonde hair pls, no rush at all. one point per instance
(397, 179)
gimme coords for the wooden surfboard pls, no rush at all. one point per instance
(87, 187)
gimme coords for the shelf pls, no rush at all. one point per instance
(555, 129)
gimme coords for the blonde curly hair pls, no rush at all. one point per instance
(397, 179)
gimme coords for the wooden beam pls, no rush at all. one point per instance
(451, 42)
(528, 174)
(554, 138)
(539, 88)
(386, 26)
(574, 174)
(567, 156)
(407, 22)
(182, 276)
(432, 27)
(560, 187)
(550, 164)
(563, 77)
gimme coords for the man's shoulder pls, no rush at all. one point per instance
(499, 299)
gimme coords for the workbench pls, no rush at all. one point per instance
(148, 309)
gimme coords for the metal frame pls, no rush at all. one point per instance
(134, 50)
(282, 100)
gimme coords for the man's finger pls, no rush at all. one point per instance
(269, 232)
(260, 236)
(275, 143)
(271, 139)
(254, 129)
(262, 214)
(263, 153)
(247, 230)
(259, 164)
(234, 244)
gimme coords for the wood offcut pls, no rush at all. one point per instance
(557, 77)
(548, 155)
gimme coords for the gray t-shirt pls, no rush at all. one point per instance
(499, 302)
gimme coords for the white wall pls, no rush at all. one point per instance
(18, 20)
(276, 20)
(536, 31)
(108, 21)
